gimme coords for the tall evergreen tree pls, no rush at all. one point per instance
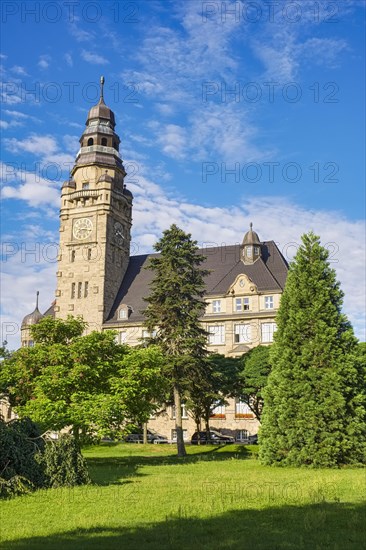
(314, 406)
(174, 308)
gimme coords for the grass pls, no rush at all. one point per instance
(145, 498)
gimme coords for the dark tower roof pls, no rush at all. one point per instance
(251, 237)
(101, 110)
(34, 317)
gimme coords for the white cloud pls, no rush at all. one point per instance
(44, 61)
(323, 51)
(18, 114)
(28, 186)
(35, 144)
(173, 139)
(36, 183)
(17, 69)
(80, 34)
(71, 143)
(93, 58)
(68, 59)
(5, 124)
(165, 109)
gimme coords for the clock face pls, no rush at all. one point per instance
(82, 228)
(119, 234)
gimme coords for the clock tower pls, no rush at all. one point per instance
(95, 223)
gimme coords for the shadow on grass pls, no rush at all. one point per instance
(315, 526)
(111, 470)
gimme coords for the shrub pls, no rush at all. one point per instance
(63, 463)
(27, 462)
(20, 445)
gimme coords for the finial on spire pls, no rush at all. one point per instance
(37, 299)
(251, 226)
(101, 87)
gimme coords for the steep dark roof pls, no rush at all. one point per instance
(224, 263)
(51, 310)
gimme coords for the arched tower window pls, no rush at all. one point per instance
(90, 141)
(104, 142)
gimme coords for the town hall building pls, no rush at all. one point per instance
(98, 279)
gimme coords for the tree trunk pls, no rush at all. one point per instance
(178, 423)
(76, 434)
(144, 427)
(207, 428)
(198, 429)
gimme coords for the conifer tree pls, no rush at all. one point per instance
(314, 402)
(174, 308)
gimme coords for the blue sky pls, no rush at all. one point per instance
(228, 112)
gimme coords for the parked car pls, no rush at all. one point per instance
(215, 438)
(152, 437)
(253, 439)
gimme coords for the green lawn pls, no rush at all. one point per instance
(217, 498)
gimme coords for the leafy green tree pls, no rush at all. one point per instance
(254, 377)
(4, 352)
(58, 331)
(174, 308)
(314, 402)
(87, 382)
(210, 386)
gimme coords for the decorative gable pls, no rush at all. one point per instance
(242, 286)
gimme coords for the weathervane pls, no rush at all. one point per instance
(101, 87)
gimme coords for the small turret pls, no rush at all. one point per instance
(29, 320)
(251, 246)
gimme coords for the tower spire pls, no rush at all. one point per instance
(101, 100)
(37, 294)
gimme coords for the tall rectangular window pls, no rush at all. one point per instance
(242, 304)
(242, 409)
(72, 256)
(216, 306)
(242, 334)
(218, 411)
(72, 290)
(80, 288)
(184, 411)
(89, 253)
(122, 337)
(216, 334)
(267, 331)
(147, 334)
(86, 289)
(268, 302)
